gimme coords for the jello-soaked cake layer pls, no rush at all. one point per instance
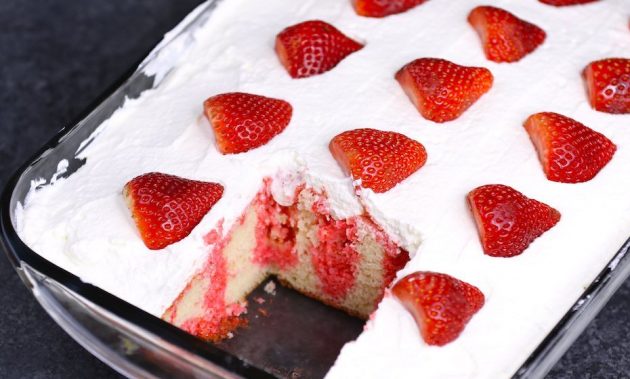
(345, 263)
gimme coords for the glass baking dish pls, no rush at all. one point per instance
(138, 344)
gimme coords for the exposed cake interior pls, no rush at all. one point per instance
(345, 263)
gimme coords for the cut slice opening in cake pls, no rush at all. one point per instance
(345, 263)
(291, 335)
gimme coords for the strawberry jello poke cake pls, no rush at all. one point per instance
(453, 172)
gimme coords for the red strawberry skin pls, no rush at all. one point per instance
(382, 8)
(312, 48)
(569, 151)
(380, 159)
(243, 121)
(608, 85)
(166, 208)
(505, 37)
(507, 220)
(562, 3)
(442, 90)
(441, 304)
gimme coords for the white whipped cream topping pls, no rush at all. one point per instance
(81, 223)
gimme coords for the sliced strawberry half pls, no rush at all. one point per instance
(382, 8)
(441, 304)
(312, 48)
(569, 151)
(442, 90)
(608, 85)
(505, 37)
(507, 220)
(378, 158)
(242, 121)
(562, 3)
(166, 208)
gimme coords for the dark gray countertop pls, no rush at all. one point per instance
(56, 57)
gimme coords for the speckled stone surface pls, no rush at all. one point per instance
(56, 57)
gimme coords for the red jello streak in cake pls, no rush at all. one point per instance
(275, 236)
(215, 235)
(392, 264)
(395, 257)
(334, 259)
(218, 320)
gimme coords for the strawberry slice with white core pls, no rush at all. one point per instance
(166, 208)
(441, 304)
(569, 151)
(505, 37)
(608, 85)
(380, 159)
(382, 8)
(242, 121)
(442, 90)
(508, 221)
(312, 48)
